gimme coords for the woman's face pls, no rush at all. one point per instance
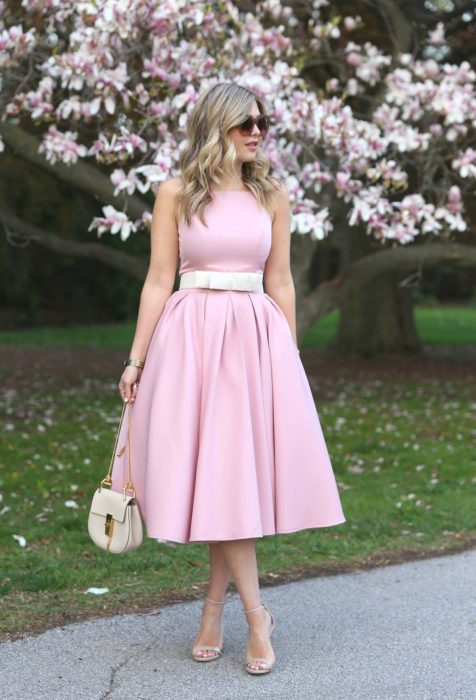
(244, 151)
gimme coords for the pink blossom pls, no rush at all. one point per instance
(123, 181)
(350, 23)
(455, 205)
(113, 222)
(437, 36)
(126, 73)
(353, 59)
(346, 187)
(465, 163)
(61, 146)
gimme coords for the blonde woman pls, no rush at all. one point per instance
(226, 442)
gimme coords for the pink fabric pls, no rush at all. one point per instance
(225, 438)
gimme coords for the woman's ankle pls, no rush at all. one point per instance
(212, 609)
(257, 620)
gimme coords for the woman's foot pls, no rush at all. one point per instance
(210, 633)
(260, 656)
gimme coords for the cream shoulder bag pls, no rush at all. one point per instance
(115, 522)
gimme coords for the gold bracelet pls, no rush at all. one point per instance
(134, 363)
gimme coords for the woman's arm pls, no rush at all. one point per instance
(158, 284)
(277, 277)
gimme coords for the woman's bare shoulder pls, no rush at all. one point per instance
(283, 190)
(170, 187)
(279, 198)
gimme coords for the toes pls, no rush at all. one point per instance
(205, 653)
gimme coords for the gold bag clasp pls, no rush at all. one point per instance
(109, 525)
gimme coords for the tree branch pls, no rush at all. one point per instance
(400, 30)
(82, 175)
(25, 232)
(329, 295)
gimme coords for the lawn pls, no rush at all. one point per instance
(439, 326)
(402, 450)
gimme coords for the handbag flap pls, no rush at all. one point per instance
(106, 501)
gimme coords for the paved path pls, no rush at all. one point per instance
(405, 631)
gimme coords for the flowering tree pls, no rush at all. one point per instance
(376, 143)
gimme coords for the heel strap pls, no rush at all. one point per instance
(218, 602)
(260, 607)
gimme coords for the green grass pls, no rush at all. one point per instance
(112, 335)
(439, 326)
(452, 326)
(403, 455)
(435, 326)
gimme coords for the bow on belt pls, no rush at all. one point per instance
(214, 279)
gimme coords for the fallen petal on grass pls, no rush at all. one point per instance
(20, 539)
(97, 591)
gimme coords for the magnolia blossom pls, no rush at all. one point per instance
(38, 102)
(39, 5)
(312, 175)
(114, 222)
(346, 187)
(154, 174)
(455, 222)
(437, 36)
(61, 146)
(351, 23)
(120, 147)
(124, 75)
(123, 181)
(466, 163)
(15, 43)
(70, 108)
(128, 142)
(322, 225)
(369, 206)
(455, 204)
(388, 171)
(367, 60)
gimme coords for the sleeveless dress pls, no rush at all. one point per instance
(225, 438)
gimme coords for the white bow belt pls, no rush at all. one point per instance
(214, 279)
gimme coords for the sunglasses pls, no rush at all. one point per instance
(262, 122)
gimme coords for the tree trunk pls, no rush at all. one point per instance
(378, 317)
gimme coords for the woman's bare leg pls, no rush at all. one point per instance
(210, 624)
(240, 556)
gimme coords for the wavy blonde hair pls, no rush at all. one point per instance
(209, 155)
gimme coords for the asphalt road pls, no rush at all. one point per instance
(405, 631)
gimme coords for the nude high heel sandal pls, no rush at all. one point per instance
(217, 649)
(266, 664)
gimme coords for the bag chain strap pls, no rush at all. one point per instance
(107, 479)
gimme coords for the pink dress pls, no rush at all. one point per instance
(225, 438)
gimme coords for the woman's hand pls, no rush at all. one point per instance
(129, 383)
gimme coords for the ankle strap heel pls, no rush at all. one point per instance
(258, 665)
(263, 607)
(217, 650)
(260, 607)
